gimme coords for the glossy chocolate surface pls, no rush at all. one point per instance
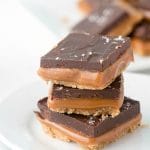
(86, 52)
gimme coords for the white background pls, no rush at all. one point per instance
(23, 40)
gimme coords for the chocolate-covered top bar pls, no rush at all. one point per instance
(88, 125)
(86, 61)
(86, 52)
(102, 20)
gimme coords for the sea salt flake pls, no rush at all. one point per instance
(62, 49)
(119, 38)
(75, 56)
(90, 53)
(128, 104)
(118, 46)
(91, 120)
(101, 61)
(57, 58)
(106, 38)
(103, 117)
(59, 88)
(106, 12)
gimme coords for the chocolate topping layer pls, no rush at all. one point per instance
(113, 91)
(86, 52)
(88, 125)
(102, 20)
(142, 30)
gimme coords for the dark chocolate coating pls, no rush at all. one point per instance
(142, 30)
(88, 125)
(86, 52)
(113, 91)
(102, 20)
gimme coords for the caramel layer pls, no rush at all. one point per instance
(142, 47)
(86, 106)
(124, 27)
(85, 103)
(78, 78)
(72, 135)
(84, 6)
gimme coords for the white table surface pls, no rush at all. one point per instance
(23, 40)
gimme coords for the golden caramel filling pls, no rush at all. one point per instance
(82, 139)
(85, 103)
(140, 46)
(78, 78)
(123, 28)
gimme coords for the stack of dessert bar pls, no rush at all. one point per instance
(118, 17)
(86, 103)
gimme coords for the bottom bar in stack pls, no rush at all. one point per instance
(69, 100)
(89, 131)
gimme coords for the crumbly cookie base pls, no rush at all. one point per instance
(105, 139)
(95, 112)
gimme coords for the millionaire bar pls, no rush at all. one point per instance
(88, 6)
(86, 61)
(111, 19)
(89, 131)
(141, 38)
(87, 102)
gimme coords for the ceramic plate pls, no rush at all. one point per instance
(19, 129)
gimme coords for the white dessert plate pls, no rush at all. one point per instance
(19, 129)
(141, 65)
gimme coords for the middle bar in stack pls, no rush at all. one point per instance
(87, 102)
